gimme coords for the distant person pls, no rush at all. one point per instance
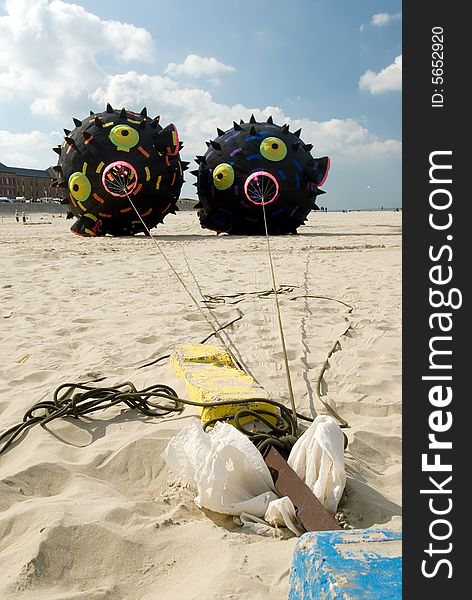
(17, 216)
(23, 216)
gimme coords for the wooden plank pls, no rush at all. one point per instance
(310, 512)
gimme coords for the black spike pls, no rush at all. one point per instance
(253, 130)
(57, 149)
(201, 160)
(142, 124)
(252, 119)
(319, 192)
(91, 113)
(215, 145)
(208, 144)
(308, 147)
(98, 122)
(237, 127)
(298, 132)
(270, 120)
(219, 131)
(87, 135)
(184, 164)
(181, 145)
(58, 169)
(69, 140)
(66, 131)
(77, 122)
(109, 108)
(176, 208)
(144, 112)
(285, 129)
(241, 122)
(195, 184)
(155, 122)
(195, 172)
(123, 114)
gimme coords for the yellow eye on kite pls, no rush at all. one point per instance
(273, 148)
(124, 137)
(79, 186)
(223, 176)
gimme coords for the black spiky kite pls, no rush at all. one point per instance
(116, 164)
(256, 168)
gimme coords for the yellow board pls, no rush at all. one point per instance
(210, 377)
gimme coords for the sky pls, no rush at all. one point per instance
(331, 67)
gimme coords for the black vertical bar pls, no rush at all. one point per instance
(436, 254)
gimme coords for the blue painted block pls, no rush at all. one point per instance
(347, 565)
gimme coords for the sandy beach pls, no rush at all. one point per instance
(88, 508)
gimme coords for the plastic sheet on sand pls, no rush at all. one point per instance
(230, 475)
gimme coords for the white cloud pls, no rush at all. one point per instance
(198, 66)
(381, 19)
(29, 150)
(49, 52)
(387, 80)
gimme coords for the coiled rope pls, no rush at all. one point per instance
(78, 399)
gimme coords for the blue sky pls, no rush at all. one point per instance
(332, 67)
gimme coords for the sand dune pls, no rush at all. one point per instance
(88, 509)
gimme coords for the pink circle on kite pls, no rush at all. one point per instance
(261, 188)
(119, 178)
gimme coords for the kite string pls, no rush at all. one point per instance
(220, 328)
(182, 282)
(216, 331)
(279, 316)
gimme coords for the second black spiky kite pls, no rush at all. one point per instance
(256, 176)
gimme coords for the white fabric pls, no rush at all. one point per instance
(224, 466)
(255, 525)
(318, 459)
(231, 477)
(281, 512)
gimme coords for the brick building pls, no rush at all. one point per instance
(31, 184)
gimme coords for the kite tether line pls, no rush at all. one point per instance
(216, 331)
(279, 316)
